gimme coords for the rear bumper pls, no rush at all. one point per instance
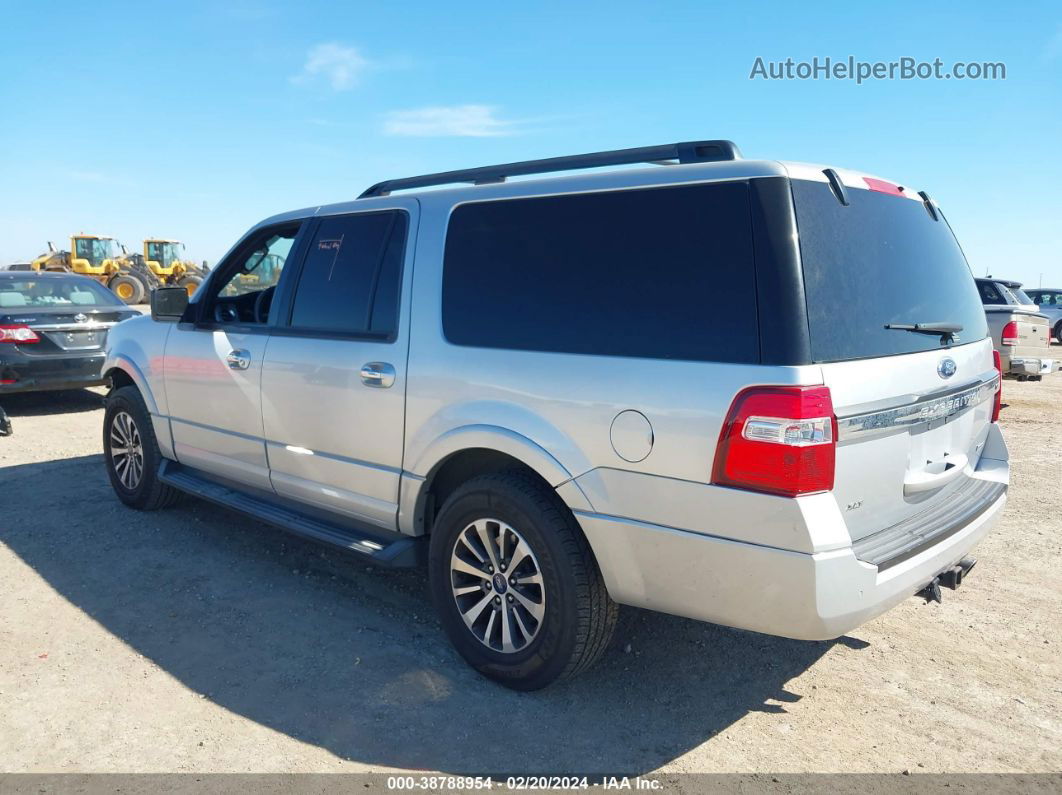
(1040, 363)
(32, 374)
(799, 595)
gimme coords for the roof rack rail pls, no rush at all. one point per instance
(683, 152)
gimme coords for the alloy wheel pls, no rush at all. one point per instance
(127, 451)
(497, 585)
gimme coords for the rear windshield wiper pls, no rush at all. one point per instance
(945, 331)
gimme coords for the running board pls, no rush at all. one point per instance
(399, 553)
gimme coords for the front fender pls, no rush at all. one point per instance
(130, 368)
(135, 348)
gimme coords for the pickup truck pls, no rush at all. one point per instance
(1020, 332)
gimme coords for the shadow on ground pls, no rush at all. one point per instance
(331, 652)
(35, 404)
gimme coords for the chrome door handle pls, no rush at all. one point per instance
(379, 374)
(238, 360)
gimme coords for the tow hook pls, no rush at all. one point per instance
(949, 578)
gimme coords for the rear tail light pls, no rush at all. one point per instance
(19, 335)
(1010, 333)
(997, 401)
(778, 439)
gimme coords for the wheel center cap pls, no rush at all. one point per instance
(500, 583)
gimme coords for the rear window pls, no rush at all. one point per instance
(660, 273)
(882, 259)
(1020, 296)
(54, 292)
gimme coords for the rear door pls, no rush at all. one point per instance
(913, 409)
(334, 375)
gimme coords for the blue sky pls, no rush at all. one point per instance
(195, 120)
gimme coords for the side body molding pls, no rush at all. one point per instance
(416, 477)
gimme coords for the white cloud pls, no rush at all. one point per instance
(473, 121)
(340, 66)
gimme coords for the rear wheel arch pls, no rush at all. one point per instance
(462, 465)
(458, 468)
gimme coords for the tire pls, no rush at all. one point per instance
(577, 615)
(129, 288)
(126, 418)
(1058, 331)
(190, 283)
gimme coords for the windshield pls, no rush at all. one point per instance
(94, 249)
(882, 260)
(164, 253)
(54, 292)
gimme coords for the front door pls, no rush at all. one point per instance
(334, 375)
(213, 365)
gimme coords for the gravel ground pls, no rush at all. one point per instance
(193, 639)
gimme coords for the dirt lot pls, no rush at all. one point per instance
(195, 640)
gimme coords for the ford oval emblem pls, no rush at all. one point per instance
(947, 367)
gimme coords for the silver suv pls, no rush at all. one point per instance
(1049, 303)
(747, 392)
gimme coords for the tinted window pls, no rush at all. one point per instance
(990, 293)
(664, 273)
(350, 279)
(1019, 296)
(880, 260)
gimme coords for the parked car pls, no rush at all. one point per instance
(746, 392)
(1048, 302)
(1020, 332)
(52, 330)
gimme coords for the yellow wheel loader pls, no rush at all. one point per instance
(162, 258)
(95, 256)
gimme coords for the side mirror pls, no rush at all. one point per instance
(168, 303)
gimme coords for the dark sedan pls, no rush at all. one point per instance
(52, 330)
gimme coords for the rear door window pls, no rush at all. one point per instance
(880, 260)
(350, 279)
(662, 273)
(990, 293)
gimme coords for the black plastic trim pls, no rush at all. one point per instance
(386, 549)
(917, 533)
(683, 152)
(837, 186)
(785, 337)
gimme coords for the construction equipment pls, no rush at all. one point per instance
(161, 258)
(95, 256)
